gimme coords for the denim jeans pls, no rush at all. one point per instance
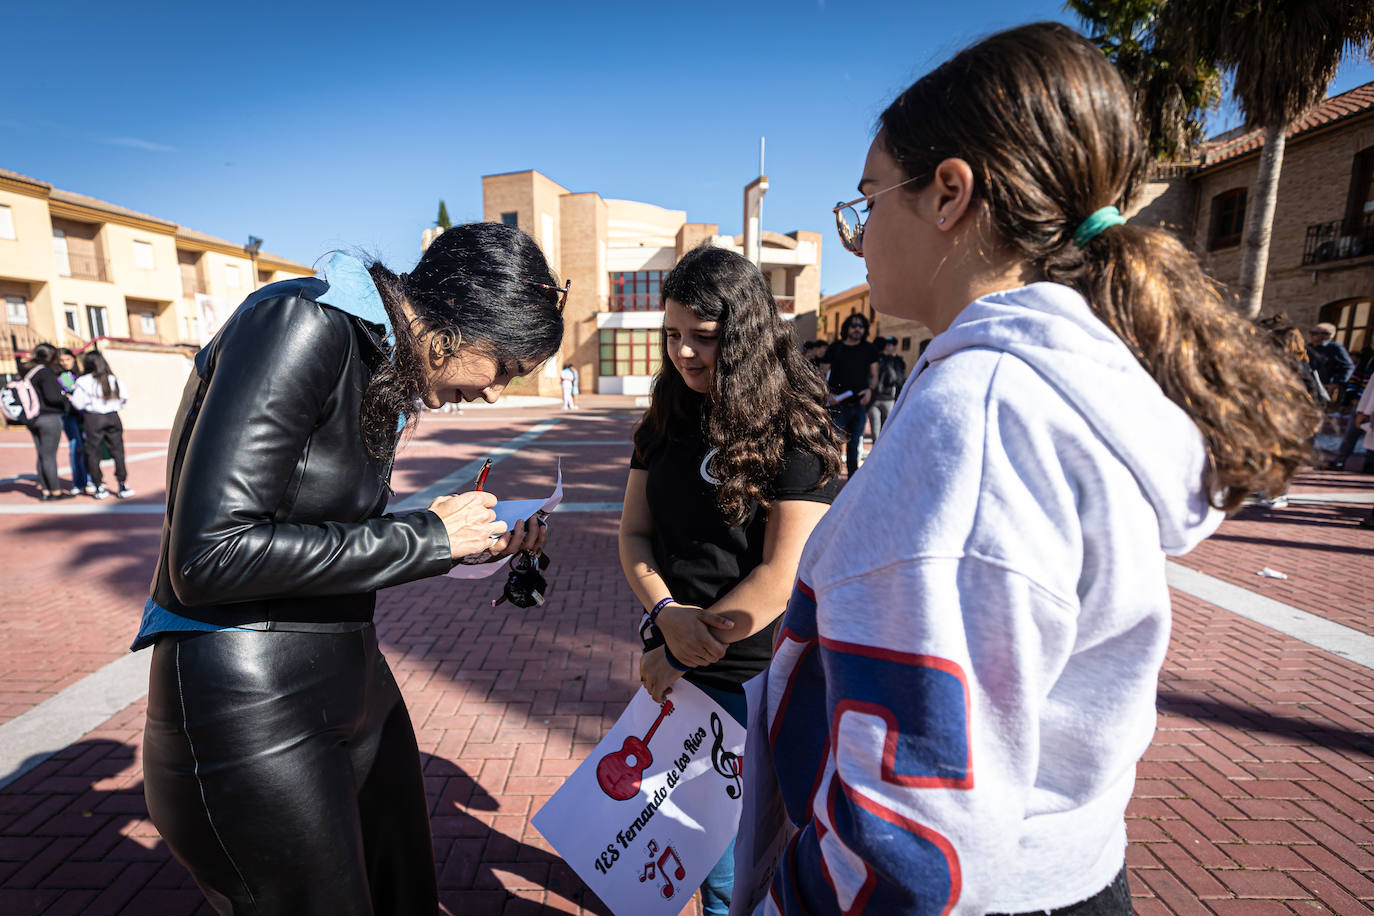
(850, 416)
(76, 449)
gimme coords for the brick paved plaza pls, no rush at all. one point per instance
(1257, 796)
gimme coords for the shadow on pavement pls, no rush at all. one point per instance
(1251, 719)
(75, 837)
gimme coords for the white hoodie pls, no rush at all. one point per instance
(966, 675)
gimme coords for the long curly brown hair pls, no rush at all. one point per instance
(1048, 128)
(765, 398)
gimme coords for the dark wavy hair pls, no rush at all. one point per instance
(97, 367)
(1048, 128)
(765, 397)
(477, 285)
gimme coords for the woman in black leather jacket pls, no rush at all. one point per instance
(280, 764)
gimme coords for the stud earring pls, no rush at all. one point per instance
(942, 221)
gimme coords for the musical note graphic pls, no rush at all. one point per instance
(727, 764)
(669, 888)
(619, 772)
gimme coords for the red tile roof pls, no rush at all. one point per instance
(1359, 100)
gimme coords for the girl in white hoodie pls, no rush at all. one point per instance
(965, 677)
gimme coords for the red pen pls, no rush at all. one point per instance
(482, 474)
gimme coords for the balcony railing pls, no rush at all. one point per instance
(635, 302)
(85, 267)
(650, 302)
(1338, 240)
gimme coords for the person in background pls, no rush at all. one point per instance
(67, 374)
(100, 397)
(968, 666)
(1364, 421)
(46, 428)
(891, 375)
(734, 461)
(1333, 364)
(850, 365)
(568, 383)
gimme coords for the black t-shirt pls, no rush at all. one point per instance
(701, 557)
(849, 365)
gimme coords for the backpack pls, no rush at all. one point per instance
(19, 399)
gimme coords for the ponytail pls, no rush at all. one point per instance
(1048, 128)
(1246, 398)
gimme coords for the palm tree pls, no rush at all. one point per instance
(1171, 96)
(1280, 56)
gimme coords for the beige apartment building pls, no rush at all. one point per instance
(74, 269)
(616, 253)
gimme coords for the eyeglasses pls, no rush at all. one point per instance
(561, 290)
(851, 225)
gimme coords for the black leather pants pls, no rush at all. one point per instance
(281, 768)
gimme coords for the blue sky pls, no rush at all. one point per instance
(317, 126)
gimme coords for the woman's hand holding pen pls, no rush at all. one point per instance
(471, 523)
(690, 633)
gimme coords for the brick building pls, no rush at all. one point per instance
(616, 253)
(1321, 253)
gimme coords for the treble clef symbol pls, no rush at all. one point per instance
(726, 763)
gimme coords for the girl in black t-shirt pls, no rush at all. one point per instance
(734, 463)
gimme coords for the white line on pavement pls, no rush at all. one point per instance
(83, 505)
(1335, 638)
(467, 474)
(35, 735)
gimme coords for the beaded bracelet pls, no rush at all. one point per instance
(653, 615)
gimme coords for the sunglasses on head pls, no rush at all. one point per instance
(561, 290)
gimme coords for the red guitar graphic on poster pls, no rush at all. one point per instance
(620, 772)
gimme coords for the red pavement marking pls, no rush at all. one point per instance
(1257, 795)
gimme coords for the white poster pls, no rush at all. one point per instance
(646, 816)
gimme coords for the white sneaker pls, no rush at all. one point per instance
(90, 488)
(124, 493)
(75, 491)
(101, 493)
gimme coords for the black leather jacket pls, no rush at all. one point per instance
(274, 507)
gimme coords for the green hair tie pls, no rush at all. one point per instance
(1094, 225)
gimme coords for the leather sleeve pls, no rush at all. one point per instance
(276, 363)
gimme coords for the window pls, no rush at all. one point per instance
(906, 344)
(511, 219)
(71, 317)
(16, 310)
(636, 291)
(629, 351)
(98, 317)
(1228, 219)
(59, 250)
(6, 222)
(147, 322)
(1354, 321)
(143, 255)
(231, 276)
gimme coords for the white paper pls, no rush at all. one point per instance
(842, 396)
(511, 511)
(644, 833)
(764, 830)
